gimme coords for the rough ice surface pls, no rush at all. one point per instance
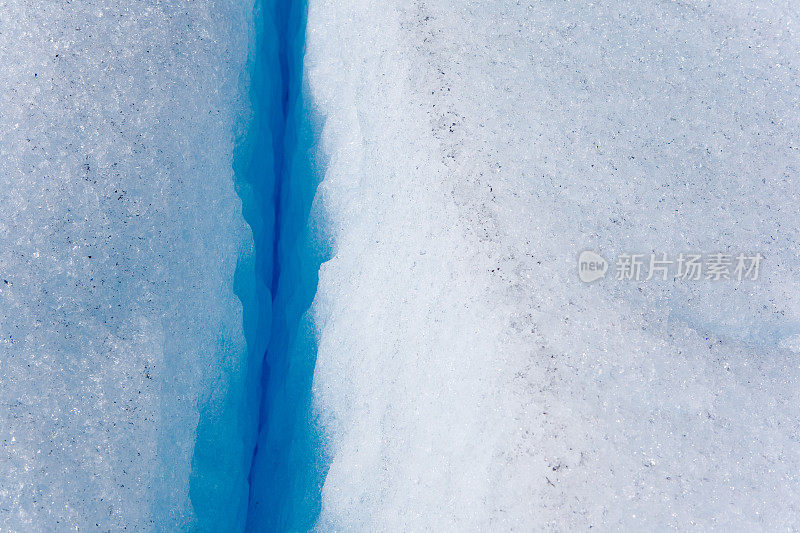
(466, 379)
(120, 234)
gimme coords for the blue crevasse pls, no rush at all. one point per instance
(258, 462)
(288, 464)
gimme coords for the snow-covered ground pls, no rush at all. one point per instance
(466, 378)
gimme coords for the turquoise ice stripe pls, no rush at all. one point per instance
(289, 466)
(258, 462)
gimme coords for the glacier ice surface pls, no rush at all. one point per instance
(120, 234)
(466, 379)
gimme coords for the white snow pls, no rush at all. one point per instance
(120, 231)
(466, 378)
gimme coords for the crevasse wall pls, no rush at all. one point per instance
(229, 417)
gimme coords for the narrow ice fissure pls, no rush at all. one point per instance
(285, 472)
(257, 460)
